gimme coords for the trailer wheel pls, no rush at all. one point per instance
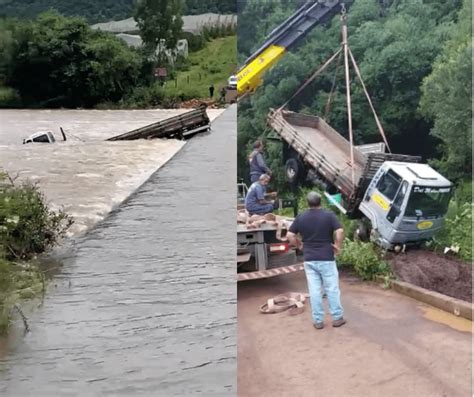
(293, 171)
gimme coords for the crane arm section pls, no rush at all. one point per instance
(281, 39)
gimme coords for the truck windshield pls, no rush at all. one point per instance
(428, 201)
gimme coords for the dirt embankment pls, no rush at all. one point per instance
(435, 272)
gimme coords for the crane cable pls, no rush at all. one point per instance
(377, 121)
(311, 78)
(348, 91)
(332, 93)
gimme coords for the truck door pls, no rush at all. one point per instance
(395, 211)
(382, 199)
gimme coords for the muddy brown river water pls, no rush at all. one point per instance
(145, 303)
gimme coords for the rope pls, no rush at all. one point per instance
(311, 78)
(333, 88)
(292, 301)
(377, 121)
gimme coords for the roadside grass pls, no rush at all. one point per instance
(211, 65)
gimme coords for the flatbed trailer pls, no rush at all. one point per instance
(262, 250)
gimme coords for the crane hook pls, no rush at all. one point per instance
(343, 10)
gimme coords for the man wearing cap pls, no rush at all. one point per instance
(322, 236)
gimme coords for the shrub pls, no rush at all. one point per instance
(363, 258)
(457, 230)
(27, 226)
(143, 97)
(9, 98)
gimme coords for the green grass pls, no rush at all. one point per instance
(211, 65)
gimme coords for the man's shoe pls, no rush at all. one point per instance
(318, 325)
(338, 322)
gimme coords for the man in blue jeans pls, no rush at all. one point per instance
(322, 236)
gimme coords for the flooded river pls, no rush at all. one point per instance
(145, 304)
(86, 176)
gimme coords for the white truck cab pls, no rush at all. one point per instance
(406, 203)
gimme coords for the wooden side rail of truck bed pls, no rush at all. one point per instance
(178, 127)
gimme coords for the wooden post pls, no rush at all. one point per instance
(187, 79)
(348, 91)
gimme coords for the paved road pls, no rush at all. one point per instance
(146, 303)
(391, 346)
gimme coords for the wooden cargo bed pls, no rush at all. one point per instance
(321, 146)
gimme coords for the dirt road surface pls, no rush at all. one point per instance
(391, 346)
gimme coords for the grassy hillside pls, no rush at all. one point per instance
(211, 65)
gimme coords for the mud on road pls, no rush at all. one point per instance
(391, 346)
(443, 274)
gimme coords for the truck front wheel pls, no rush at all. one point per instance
(363, 231)
(293, 171)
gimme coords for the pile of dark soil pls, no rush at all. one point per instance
(436, 272)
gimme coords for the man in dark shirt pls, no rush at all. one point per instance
(317, 228)
(258, 166)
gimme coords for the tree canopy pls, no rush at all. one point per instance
(447, 98)
(59, 61)
(158, 20)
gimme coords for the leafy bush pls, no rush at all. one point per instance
(9, 98)
(143, 97)
(196, 42)
(457, 230)
(363, 258)
(218, 29)
(27, 226)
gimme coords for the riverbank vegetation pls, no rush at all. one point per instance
(27, 228)
(416, 60)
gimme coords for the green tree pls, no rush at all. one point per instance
(447, 98)
(159, 20)
(59, 61)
